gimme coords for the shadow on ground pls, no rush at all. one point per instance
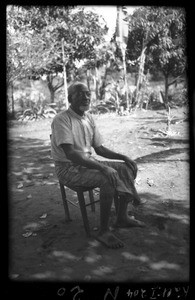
(56, 250)
(161, 155)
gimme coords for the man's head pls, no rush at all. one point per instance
(79, 97)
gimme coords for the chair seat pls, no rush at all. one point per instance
(81, 188)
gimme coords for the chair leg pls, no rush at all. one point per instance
(83, 212)
(65, 203)
(91, 197)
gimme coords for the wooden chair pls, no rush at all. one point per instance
(82, 204)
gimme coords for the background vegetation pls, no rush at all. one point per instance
(48, 48)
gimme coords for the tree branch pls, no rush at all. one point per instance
(175, 80)
(59, 85)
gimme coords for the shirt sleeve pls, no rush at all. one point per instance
(61, 130)
(97, 137)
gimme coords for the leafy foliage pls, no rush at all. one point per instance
(162, 30)
(34, 41)
(36, 112)
(44, 27)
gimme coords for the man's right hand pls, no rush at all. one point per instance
(111, 174)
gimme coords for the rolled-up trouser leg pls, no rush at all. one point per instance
(81, 176)
(125, 187)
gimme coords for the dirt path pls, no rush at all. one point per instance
(43, 247)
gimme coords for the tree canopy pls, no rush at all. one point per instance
(162, 31)
(34, 35)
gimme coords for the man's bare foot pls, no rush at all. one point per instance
(110, 240)
(129, 222)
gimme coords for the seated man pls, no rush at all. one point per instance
(74, 132)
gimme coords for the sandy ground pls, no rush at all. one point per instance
(43, 247)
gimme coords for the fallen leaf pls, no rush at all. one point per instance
(94, 243)
(95, 228)
(90, 259)
(150, 182)
(34, 226)
(137, 180)
(20, 186)
(164, 264)
(27, 170)
(141, 169)
(43, 216)
(27, 234)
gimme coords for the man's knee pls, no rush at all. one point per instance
(127, 168)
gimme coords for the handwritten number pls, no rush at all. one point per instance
(186, 291)
(153, 292)
(79, 291)
(61, 292)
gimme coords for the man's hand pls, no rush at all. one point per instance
(112, 175)
(130, 163)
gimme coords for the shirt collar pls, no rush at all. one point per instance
(73, 113)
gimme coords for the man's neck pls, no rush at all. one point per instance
(77, 111)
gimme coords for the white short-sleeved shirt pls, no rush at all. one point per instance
(70, 128)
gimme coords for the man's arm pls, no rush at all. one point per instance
(107, 153)
(83, 159)
(80, 158)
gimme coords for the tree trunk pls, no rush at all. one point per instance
(52, 95)
(103, 82)
(166, 93)
(96, 84)
(65, 86)
(51, 88)
(165, 96)
(168, 119)
(65, 78)
(125, 80)
(12, 100)
(140, 76)
(88, 79)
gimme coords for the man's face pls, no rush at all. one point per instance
(81, 99)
